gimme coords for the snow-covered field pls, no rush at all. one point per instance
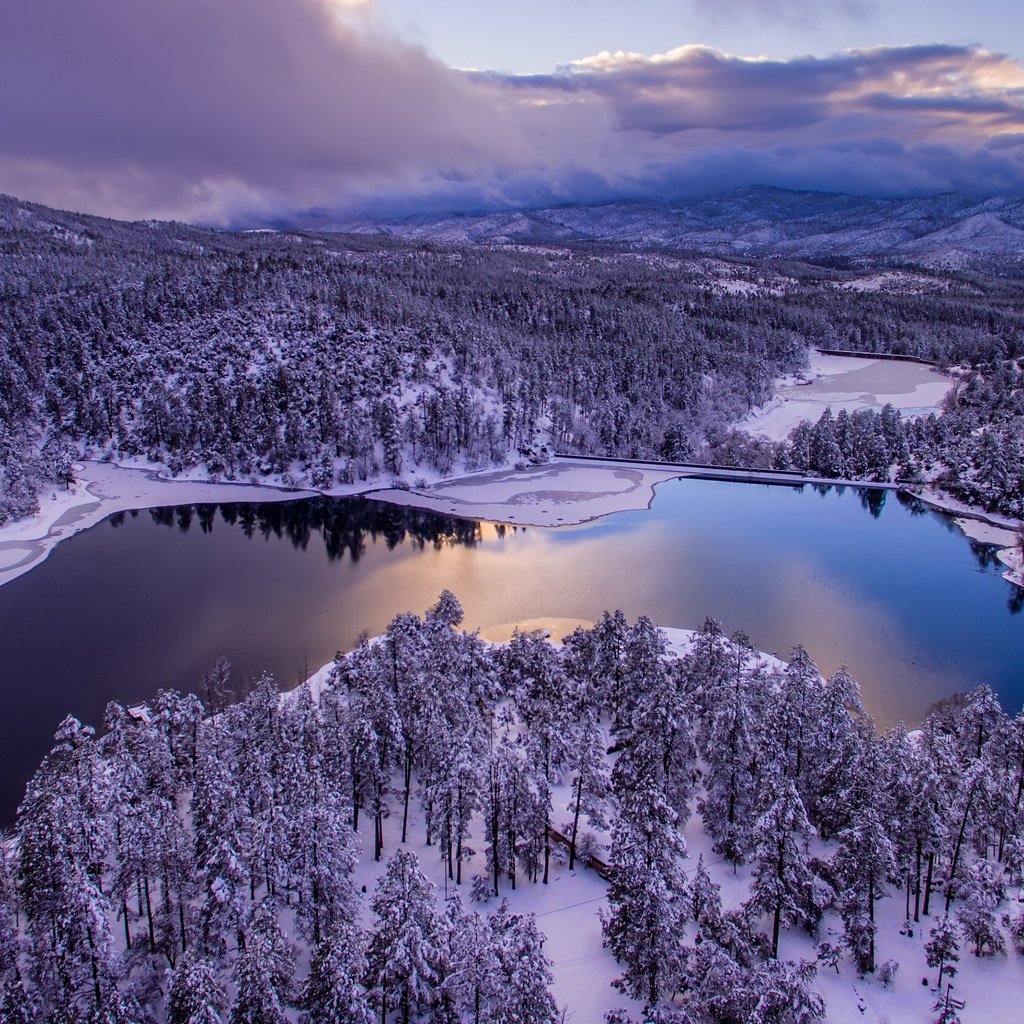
(850, 383)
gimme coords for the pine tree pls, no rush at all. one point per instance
(474, 975)
(195, 995)
(785, 994)
(976, 915)
(525, 973)
(333, 993)
(865, 859)
(263, 972)
(18, 1004)
(942, 949)
(406, 951)
(648, 894)
(541, 693)
(657, 734)
(947, 1008)
(730, 742)
(783, 882)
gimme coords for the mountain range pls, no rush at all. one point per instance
(950, 231)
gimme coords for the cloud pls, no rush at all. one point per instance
(786, 11)
(246, 110)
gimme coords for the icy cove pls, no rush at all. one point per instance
(150, 600)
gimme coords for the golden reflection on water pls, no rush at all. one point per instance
(538, 579)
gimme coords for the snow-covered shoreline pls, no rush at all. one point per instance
(101, 489)
(985, 527)
(555, 494)
(559, 493)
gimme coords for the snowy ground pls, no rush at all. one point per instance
(850, 383)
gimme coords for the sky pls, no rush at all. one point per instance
(238, 112)
(535, 36)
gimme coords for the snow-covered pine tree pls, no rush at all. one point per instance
(406, 952)
(195, 995)
(978, 904)
(785, 994)
(542, 695)
(474, 969)
(659, 743)
(730, 742)
(783, 883)
(218, 823)
(263, 971)
(797, 713)
(591, 784)
(648, 898)
(333, 993)
(18, 1004)
(943, 948)
(525, 971)
(865, 859)
(839, 735)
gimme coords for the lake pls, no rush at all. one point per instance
(148, 600)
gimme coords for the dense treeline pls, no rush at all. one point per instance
(195, 868)
(974, 449)
(333, 359)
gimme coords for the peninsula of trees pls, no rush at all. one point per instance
(189, 866)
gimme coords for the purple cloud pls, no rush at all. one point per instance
(248, 109)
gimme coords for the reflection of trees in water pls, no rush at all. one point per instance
(872, 499)
(986, 555)
(912, 503)
(344, 524)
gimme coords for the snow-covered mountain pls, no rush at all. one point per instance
(945, 231)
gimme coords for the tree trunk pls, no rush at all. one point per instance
(575, 822)
(547, 846)
(408, 786)
(955, 860)
(917, 883)
(149, 914)
(928, 882)
(871, 918)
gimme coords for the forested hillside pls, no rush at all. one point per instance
(329, 359)
(188, 867)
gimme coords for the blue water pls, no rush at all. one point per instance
(150, 599)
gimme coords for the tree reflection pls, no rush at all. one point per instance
(345, 525)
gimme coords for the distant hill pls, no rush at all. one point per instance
(948, 232)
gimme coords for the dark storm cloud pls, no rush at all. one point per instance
(198, 98)
(237, 109)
